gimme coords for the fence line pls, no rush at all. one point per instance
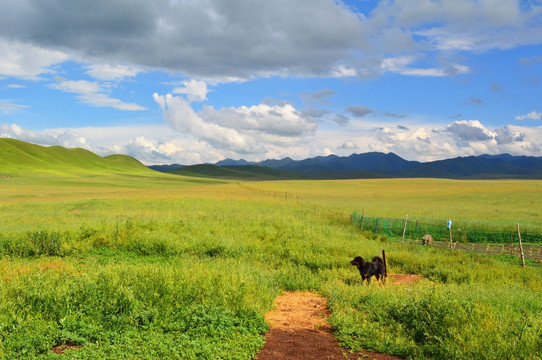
(288, 195)
(465, 239)
(394, 227)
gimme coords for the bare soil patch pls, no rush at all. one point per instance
(400, 279)
(299, 330)
(60, 349)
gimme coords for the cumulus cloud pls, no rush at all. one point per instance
(66, 138)
(470, 130)
(94, 94)
(195, 90)
(533, 115)
(243, 129)
(432, 142)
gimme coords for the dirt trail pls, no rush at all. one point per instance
(300, 331)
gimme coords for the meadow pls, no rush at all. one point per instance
(154, 266)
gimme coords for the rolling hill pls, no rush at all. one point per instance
(21, 158)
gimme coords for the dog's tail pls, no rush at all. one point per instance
(378, 259)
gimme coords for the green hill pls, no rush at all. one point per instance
(19, 158)
(246, 172)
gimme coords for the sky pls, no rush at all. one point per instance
(196, 81)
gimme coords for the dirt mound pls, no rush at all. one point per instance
(399, 279)
(299, 330)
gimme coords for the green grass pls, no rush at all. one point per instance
(152, 266)
(493, 204)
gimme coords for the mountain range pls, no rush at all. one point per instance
(18, 157)
(371, 165)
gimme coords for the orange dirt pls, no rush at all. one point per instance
(61, 348)
(403, 278)
(299, 330)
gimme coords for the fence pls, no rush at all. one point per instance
(462, 234)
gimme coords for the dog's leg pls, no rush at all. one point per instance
(380, 279)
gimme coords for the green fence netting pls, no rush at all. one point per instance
(438, 230)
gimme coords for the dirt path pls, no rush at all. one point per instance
(300, 331)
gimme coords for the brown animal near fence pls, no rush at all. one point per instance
(427, 239)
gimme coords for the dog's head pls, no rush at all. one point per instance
(358, 261)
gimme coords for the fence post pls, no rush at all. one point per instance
(362, 217)
(449, 226)
(404, 229)
(511, 242)
(521, 247)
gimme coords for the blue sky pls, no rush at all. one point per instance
(185, 81)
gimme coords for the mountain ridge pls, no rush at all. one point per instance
(378, 164)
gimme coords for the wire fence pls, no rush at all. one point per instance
(438, 229)
(465, 237)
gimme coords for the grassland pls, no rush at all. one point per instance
(145, 265)
(499, 204)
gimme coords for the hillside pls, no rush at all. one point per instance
(246, 172)
(19, 157)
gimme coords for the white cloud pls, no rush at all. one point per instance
(195, 90)
(470, 130)
(10, 107)
(21, 60)
(159, 145)
(94, 94)
(111, 72)
(465, 25)
(401, 65)
(201, 39)
(180, 115)
(348, 145)
(67, 137)
(15, 86)
(533, 115)
(244, 129)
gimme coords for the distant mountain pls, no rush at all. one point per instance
(483, 166)
(375, 162)
(228, 162)
(378, 165)
(277, 164)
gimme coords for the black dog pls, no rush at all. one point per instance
(368, 269)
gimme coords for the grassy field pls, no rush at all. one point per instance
(152, 266)
(492, 203)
